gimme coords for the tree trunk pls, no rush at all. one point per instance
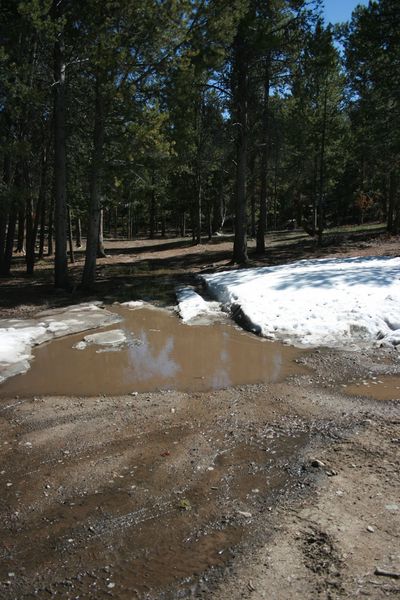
(252, 194)
(152, 220)
(101, 253)
(3, 234)
(262, 219)
(70, 239)
(42, 229)
(61, 278)
(183, 224)
(321, 201)
(8, 251)
(394, 208)
(391, 202)
(78, 232)
(4, 209)
(163, 224)
(241, 92)
(21, 231)
(89, 272)
(31, 238)
(115, 222)
(198, 209)
(50, 249)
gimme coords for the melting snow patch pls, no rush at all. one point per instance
(191, 306)
(18, 336)
(349, 302)
(132, 304)
(112, 339)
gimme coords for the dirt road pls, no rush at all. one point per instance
(284, 490)
(259, 491)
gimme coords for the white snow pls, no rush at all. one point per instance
(133, 304)
(18, 336)
(112, 339)
(345, 303)
(191, 306)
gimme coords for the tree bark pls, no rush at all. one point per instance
(21, 231)
(30, 240)
(322, 172)
(89, 272)
(199, 208)
(241, 92)
(8, 251)
(70, 239)
(50, 249)
(152, 220)
(42, 228)
(101, 253)
(394, 204)
(252, 194)
(391, 202)
(262, 220)
(31, 236)
(61, 278)
(78, 232)
(3, 234)
(4, 209)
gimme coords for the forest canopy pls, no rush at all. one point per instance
(159, 116)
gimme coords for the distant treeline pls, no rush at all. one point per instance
(160, 115)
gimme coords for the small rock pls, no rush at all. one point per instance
(243, 513)
(331, 473)
(317, 463)
(111, 584)
(392, 506)
(370, 529)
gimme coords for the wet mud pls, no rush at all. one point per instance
(137, 513)
(384, 387)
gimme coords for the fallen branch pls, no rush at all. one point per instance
(384, 573)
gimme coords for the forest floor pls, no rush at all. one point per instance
(280, 490)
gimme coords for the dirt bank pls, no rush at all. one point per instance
(175, 495)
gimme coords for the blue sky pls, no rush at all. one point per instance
(340, 10)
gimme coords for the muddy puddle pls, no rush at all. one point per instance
(385, 387)
(160, 353)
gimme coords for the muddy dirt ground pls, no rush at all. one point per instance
(283, 490)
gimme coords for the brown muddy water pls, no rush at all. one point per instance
(161, 353)
(385, 387)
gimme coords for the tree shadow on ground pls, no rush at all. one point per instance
(155, 277)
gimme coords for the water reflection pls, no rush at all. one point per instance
(161, 352)
(145, 361)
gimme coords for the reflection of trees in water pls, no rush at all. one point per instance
(147, 362)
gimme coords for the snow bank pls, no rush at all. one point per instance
(191, 306)
(17, 336)
(350, 302)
